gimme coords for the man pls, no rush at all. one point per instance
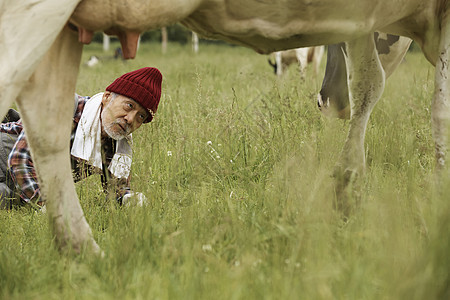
(100, 140)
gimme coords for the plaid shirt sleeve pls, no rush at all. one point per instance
(12, 127)
(22, 171)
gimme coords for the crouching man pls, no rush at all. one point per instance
(100, 140)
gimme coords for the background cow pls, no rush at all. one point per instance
(300, 56)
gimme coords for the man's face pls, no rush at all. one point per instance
(121, 116)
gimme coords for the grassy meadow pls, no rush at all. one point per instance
(237, 168)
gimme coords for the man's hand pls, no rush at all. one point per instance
(134, 199)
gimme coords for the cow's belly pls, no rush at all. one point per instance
(266, 45)
(264, 25)
(268, 26)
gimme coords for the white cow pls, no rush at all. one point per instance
(40, 55)
(301, 56)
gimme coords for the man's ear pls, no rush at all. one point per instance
(106, 97)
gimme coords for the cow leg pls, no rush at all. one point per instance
(21, 29)
(440, 112)
(302, 58)
(366, 84)
(279, 63)
(317, 59)
(47, 106)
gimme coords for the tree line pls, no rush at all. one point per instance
(176, 33)
(180, 34)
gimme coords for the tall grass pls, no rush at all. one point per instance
(237, 169)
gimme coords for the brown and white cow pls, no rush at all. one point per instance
(300, 56)
(40, 55)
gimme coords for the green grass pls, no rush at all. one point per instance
(237, 169)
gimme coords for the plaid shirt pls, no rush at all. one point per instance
(22, 170)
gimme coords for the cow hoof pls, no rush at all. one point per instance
(347, 191)
(322, 104)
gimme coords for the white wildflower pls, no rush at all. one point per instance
(207, 247)
(257, 262)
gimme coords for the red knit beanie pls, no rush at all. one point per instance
(143, 86)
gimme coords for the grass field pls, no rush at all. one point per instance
(237, 167)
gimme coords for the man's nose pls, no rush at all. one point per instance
(130, 117)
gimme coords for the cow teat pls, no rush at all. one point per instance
(128, 40)
(85, 35)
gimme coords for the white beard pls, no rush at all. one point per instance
(110, 130)
(114, 135)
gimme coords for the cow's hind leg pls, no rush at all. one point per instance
(47, 106)
(366, 84)
(440, 113)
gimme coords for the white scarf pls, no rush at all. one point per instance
(87, 141)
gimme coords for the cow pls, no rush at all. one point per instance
(41, 44)
(333, 98)
(300, 56)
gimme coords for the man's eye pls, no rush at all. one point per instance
(129, 106)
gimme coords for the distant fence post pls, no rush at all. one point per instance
(164, 40)
(194, 42)
(106, 42)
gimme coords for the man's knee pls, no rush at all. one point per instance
(6, 195)
(11, 116)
